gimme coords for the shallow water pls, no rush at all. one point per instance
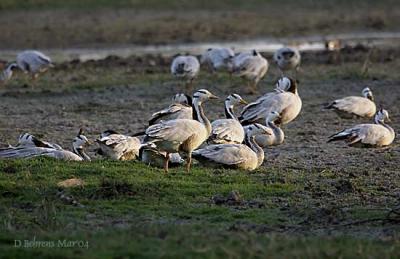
(309, 43)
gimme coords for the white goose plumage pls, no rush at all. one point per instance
(218, 59)
(30, 151)
(251, 66)
(355, 105)
(29, 140)
(118, 146)
(229, 130)
(33, 62)
(368, 135)
(286, 103)
(247, 157)
(182, 135)
(287, 59)
(185, 67)
(277, 137)
(180, 109)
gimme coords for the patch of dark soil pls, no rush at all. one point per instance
(234, 199)
(325, 216)
(251, 227)
(112, 189)
(344, 186)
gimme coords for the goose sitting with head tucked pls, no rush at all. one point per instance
(218, 59)
(31, 151)
(277, 136)
(251, 66)
(118, 146)
(285, 101)
(182, 135)
(355, 105)
(186, 68)
(368, 135)
(287, 59)
(241, 156)
(181, 108)
(229, 130)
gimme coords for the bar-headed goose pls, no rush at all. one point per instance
(368, 135)
(287, 59)
(251, 66)
(229, 130)
(186, 68)
(182, 135)
(218, 59)
(181, 108)
(118, 146)
(33, 62)
(78, 144)
(277, 137)
(7, 73)
(248, 157)
(355, 105)
(286, 103)
(29, 140)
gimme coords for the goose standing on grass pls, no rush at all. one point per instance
(180, 109)
(277, 137)
(7, 73)
(229, 130)
(218, 59)
(251, 66)
(287, 59)
(368, 135)
(240, 156)
(355, 105)
(33, 62)
(118, 146)
(186, 68)
(79, 143)
(182, 135)
(286, 103)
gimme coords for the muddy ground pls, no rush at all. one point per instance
(69, 97)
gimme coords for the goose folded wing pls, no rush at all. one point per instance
(229, 154)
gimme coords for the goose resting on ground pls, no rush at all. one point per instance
(182, 135)
(149, 155)
(368, 135)
(229, 130)
(28, 140)
(218, 59)
(251, 66)
(355, 105)
(286, 103)
(287, 59)
(187, 68)
(117, 146)
(79, 143)
(33, 62)
(277, 137)
(247, 157)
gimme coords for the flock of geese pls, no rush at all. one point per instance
(182, 130)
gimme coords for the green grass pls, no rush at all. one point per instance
(132, 210)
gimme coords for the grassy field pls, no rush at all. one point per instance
(309, 199)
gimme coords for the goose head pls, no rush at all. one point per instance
(367, 93)
(274, 116)
(257, 129)
(80, 141)
(286, 84)
(382, 116)
(234, 99)
(182, 99)
(203, 95)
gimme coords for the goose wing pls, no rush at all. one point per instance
(116, 145)
(31, 152)
(227, 131)
(176, 131)
(228, 154)
(174, 111)
(356, 105)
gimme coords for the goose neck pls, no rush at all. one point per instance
(229, 113)
(198, 114)
(80, 152)
(250, 141)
